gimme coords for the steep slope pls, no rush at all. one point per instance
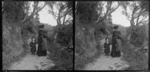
(85, 44)
(12, 43)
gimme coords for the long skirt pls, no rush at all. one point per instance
(33, 50)
(41, 52)
(114, 52)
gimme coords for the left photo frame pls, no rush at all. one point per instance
(37, 35)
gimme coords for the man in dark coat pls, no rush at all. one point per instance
(115, 52)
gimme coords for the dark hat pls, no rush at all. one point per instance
(33, 37)
(115, 27)
(41, 26)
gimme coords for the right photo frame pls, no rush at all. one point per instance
(111, 35)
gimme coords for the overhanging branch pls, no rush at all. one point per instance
(33, 13)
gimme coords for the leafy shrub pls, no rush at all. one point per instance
(136, 59)
(12, 44)
(65, 35)
(14, 10)
(139, 36)
(61, 57)
(87, 11)
(59, 52)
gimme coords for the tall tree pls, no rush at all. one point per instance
(60, 11)
(21, 7)
(135, 14)
(105, 9)
(36, 9)
(13, 10)
(86, 11)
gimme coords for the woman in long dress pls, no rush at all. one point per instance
(115, 52)
(40, 41)
(41, 45)
(44, 48)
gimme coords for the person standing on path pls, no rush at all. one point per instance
(116, 37)
(45, 44)
(40, 42)
(33, 46)
(107, 47)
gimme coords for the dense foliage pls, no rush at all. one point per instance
(14, 11)
(92, 26)
(65, 35)
(87, 11)
(139, 36)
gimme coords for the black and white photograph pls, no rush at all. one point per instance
(37, 35)
(111, 35)
(75, 35)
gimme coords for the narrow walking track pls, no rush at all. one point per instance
(32, 62)
(107, 63)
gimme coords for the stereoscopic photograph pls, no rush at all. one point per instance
(111, 35)
(75, 35)
(37, 35)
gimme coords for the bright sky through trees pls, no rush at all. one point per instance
(47, 18)
(118, 18)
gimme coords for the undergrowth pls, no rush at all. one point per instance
(136, 59)
(82, 61)
(14, 46)
(63, 59)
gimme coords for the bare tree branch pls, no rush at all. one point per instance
(108, 11)
(53, 14)
(63, 11)
(136, 13)
(34, 12)
(137, 21)
(115, 8)
(52, 11)
(64, 18)
(67, 11)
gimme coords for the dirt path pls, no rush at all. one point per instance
(32, 62)
(107, 63)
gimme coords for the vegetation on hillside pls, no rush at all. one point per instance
(20, 24)
(14, 46)
(93, 23)
(61, 43)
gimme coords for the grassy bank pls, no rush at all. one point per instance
(136, 59)
(63, 59)
(13, 44)
(82, 58)
(9, 59)
(82, 61)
